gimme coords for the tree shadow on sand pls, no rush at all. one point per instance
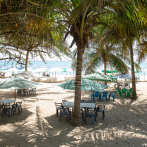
(15, 117)
(114, 130)
(124, 125)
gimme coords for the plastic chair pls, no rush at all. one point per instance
(117, 90)
(95, 95)
(26, 91)
(112, 94)
(129, 92)
(7, 109)
(58, 107)
(83, 101)
(98, 94)
(124, 90)
(1, 109)
(19, 92)
(17, 106)
(33, 90)
(101, 108)
(90, 101)
(104, 95)
(64, 101)
(90, 113)
(64, 111)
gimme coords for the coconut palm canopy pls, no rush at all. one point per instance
(98, 77)
(85, 85)
(109, 71)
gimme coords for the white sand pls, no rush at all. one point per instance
(125, 124)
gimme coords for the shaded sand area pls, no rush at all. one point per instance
(125, 124)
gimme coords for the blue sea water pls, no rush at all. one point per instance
(63, 65)
(48, 65)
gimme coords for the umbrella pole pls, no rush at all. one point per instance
(15, 94)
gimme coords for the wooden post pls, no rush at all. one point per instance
(15, 94)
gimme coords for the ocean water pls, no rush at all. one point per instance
(64, 65)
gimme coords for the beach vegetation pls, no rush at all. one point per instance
(34, 36)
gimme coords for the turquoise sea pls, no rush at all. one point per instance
(64, 65)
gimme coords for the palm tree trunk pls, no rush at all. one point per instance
(134, 96)
(27, 56)
(105, 71)
(0, 7)
(76, 115)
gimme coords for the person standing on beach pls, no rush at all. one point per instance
(43, 74)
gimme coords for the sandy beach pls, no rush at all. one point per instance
(125, 124)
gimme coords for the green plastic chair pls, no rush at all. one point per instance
(115, 79)
(129, 92)
(117, 90)
(124, 90)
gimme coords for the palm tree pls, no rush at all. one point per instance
(78, 18)
(124, 28)
(105, 54)
(34, 36)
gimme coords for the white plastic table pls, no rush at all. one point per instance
(7, 101)
(82, 105)
(125, 87)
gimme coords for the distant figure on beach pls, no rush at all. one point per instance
(43, 74)
(48, 75)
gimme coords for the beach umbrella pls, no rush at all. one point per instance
(125, 76)
(55, 69)
(98, 77)
(68, 70)
(12, 69)
(85, 85)
(98, 70)
(28, 74)
(5, 68)
(145, 70)
(17, 83)
(29, 69)
(2, 71)
(40, 69)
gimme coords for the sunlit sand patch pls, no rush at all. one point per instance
(122, 101)
(7, 128)
(109, 106)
